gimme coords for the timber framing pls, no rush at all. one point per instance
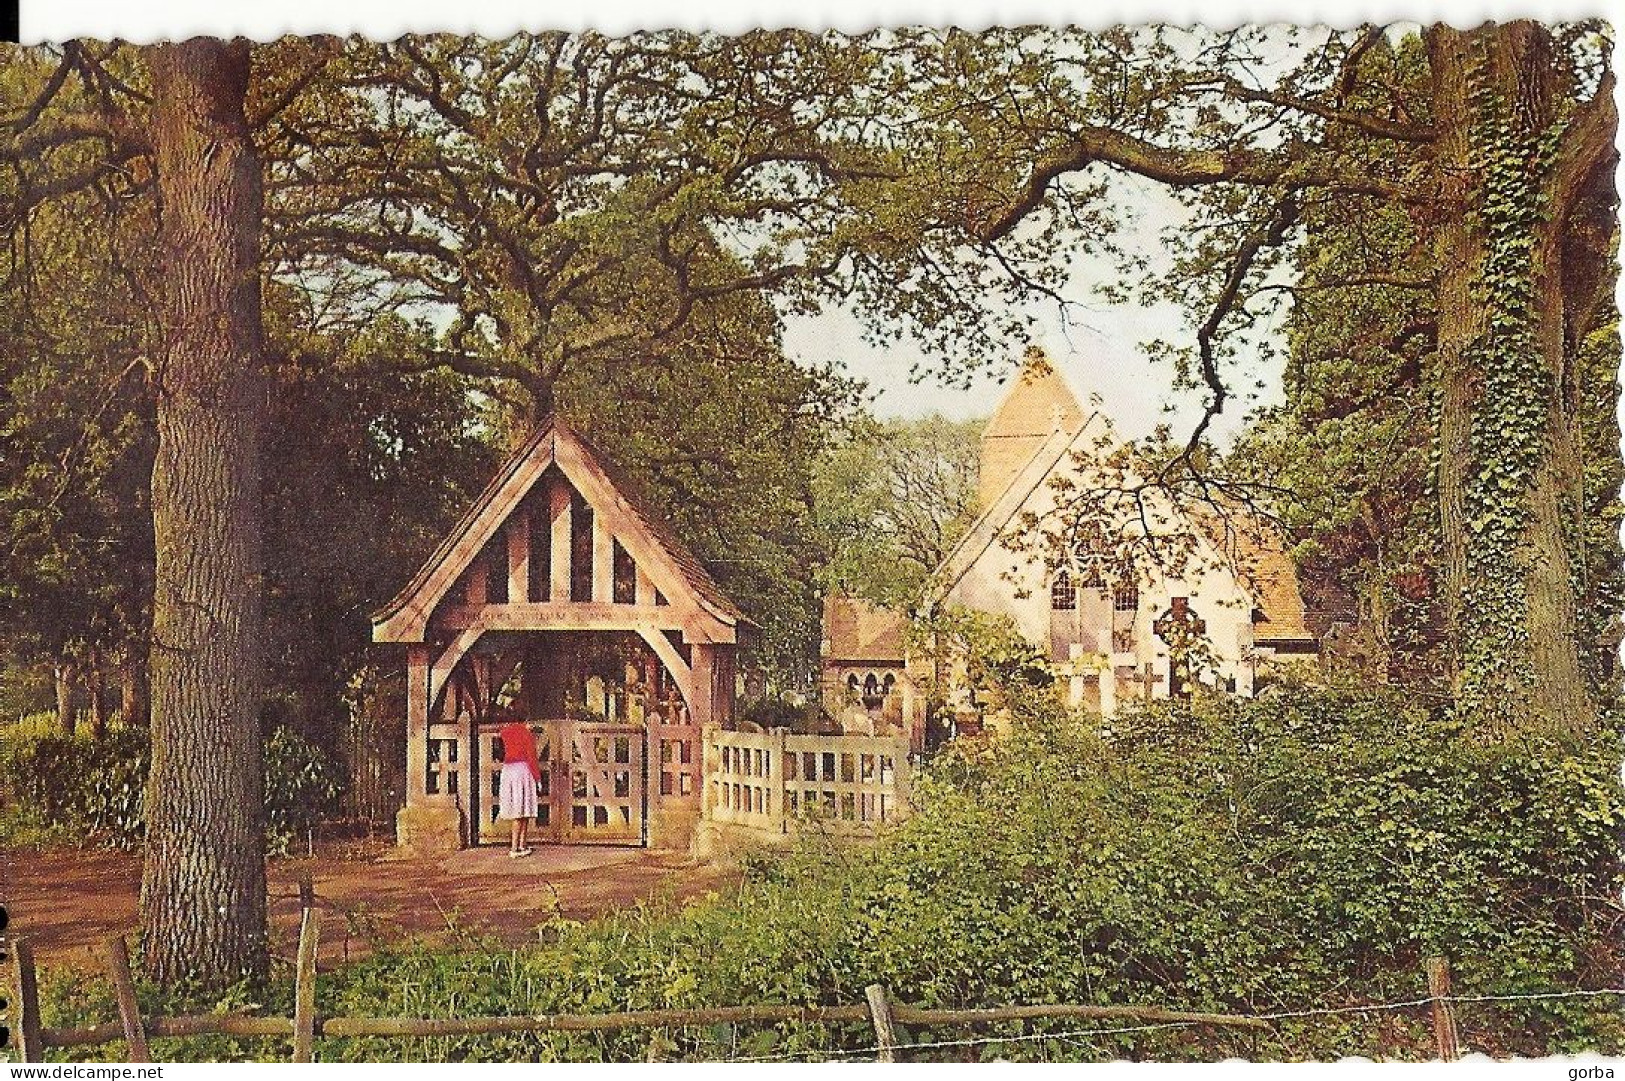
(670, 591)
(561, 601)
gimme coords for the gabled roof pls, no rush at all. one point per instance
(855, 630)
(1255, 550)
(1038, 404)
(986, 530)
(643, 531)
(1258, 552)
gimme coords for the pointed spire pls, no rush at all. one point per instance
(1037, 405)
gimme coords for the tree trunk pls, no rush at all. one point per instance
(203, 904)
(96, 685)
(1523, 665)
(67, 710)
(133, 688)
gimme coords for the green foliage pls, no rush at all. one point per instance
(1257, 856)
(1510, 441)
(367, 467)
(720, 432)
(302, 786)
(893, 498)
(83, 789)
(71, 789)
(1352, 466)
(778, 712)
(999, 665)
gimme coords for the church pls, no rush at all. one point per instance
(1127, 593)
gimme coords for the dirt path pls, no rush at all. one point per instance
(68, 901)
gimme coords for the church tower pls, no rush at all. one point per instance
(1037, 405)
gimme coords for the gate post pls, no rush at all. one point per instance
(775, 780)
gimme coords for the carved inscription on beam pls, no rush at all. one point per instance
(583, 616)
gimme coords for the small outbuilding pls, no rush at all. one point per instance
(562, 598)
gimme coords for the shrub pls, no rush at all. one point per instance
(301, 788)
(60, 789)
(64, 787)
(777, 712)
(1306, 852)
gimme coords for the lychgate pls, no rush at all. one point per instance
(562, 595)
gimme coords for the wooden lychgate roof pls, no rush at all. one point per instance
(692, 599)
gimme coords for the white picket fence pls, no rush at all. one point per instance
(771, 781)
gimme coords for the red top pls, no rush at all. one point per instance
(519, 745)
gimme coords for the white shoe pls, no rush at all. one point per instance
(518, 852)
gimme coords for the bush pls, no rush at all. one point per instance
(301, 788)
(1265, 856)
(61, 789)
(777, 712)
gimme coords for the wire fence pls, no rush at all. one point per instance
(1267, 1018)
(879, 1010)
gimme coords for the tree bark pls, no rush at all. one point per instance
(1543, 686)
(203, 904)
(67, 710)
(1459, 253)
(96, 687)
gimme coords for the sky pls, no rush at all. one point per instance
(1095, 343)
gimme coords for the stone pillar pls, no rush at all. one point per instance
(1108, 690)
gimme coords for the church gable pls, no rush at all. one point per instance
(1038, 406)
(1236, 569)
(556, 537)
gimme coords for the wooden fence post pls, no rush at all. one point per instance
(304, 989)
(129, 1010)
(776, 739)
(29, 1045)
(1445, 1036)
(880, 1013)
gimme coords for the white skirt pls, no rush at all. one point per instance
(518, 799)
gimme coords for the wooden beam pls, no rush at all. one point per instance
(880, 1014)
(603, 560)
(478, 572)
(410, 624)
(30, 1045)
(558, 506)
(622, 521)
(702, 707)
(519, 556)
(644, 591)
(129, 1010)
(585, 616)
(304, 989)
(680, 671)
(446, 663)
(418, 659)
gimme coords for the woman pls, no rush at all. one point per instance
(520, 772)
